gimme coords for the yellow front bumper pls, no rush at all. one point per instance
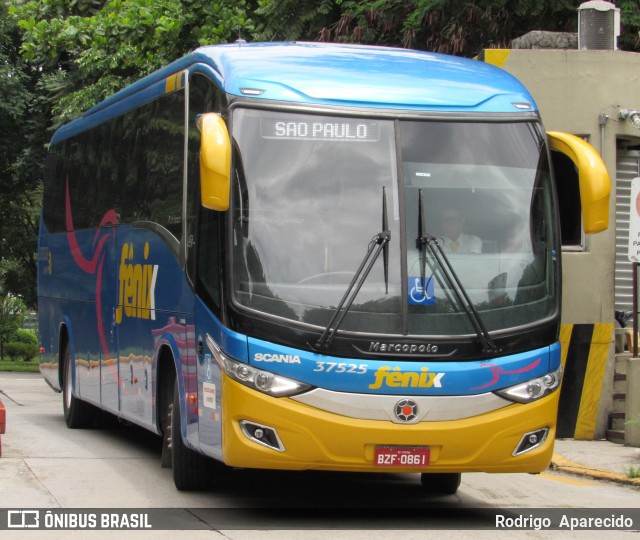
(315, 439)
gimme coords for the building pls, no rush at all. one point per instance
(593, 94)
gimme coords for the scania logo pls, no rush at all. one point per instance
(406, 410)
(279, 358)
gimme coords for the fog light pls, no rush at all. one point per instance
(531, 440)
(263, 435)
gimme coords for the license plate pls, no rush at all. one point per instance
(402, 456)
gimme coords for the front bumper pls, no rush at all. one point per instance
(315, 439)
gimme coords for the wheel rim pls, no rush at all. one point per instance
(67, 383)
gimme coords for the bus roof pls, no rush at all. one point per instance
(338, 75)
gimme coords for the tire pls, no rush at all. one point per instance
(191, 470)
(78, 414)
(165, 413)
(440, 483)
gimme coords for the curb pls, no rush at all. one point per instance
(559, 463)
(3, 423)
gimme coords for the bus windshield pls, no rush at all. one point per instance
(307, 204)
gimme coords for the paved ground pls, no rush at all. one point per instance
(603, 460)
(34, 471)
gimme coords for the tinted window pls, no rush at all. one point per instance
(203, 234)
(132, 164)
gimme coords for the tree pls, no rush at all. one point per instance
(290, 20)
(630, 16)
(12, 314)
(449, 26)
(89, 49)
(24, 117)
(57, 59)
(23, 343)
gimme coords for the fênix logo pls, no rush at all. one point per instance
(396, 378)
(137, 286)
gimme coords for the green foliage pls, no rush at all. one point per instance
(90, 49)
(632, 471)
(630, 19)
(24, 119)
(19, 218)
(295, 19)
(24, 351)
(31, 367)
(26, 337)
(453, 26)
(12, 314)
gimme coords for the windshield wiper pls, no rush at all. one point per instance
(379, 243)
(427, 241)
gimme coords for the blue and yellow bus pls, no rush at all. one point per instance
(313, 256)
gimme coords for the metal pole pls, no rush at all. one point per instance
(635, 309)
(602, 121)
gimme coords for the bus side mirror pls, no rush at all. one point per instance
(215, 162)
(593, 179)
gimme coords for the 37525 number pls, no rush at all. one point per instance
(340, 367)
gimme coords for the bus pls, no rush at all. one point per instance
(250, 253)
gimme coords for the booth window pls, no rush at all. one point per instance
(568, 189)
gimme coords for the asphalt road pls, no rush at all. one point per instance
(44, 465)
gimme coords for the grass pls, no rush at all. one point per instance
(18, 365)
(632, 471)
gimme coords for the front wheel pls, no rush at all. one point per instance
(440, 483)
(77, 413)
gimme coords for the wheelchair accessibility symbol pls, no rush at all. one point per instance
(421, 291)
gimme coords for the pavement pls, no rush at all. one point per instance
(601, 460)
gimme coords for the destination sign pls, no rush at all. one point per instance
(338, 129)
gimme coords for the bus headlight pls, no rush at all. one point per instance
(534, 389)
(263, 381)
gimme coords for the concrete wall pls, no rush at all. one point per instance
(573, 90)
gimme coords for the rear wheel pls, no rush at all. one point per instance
(440, 483)
(191, 470)
(77, 413)
(165, 397)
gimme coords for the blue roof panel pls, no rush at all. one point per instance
(366, 76)
(332, 74)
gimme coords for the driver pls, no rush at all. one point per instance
(453, 239)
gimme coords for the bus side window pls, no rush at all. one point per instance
(203, 226)
(148, 143)
(111, 168)
(54, 189)
(208, 259)
(79, 172)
